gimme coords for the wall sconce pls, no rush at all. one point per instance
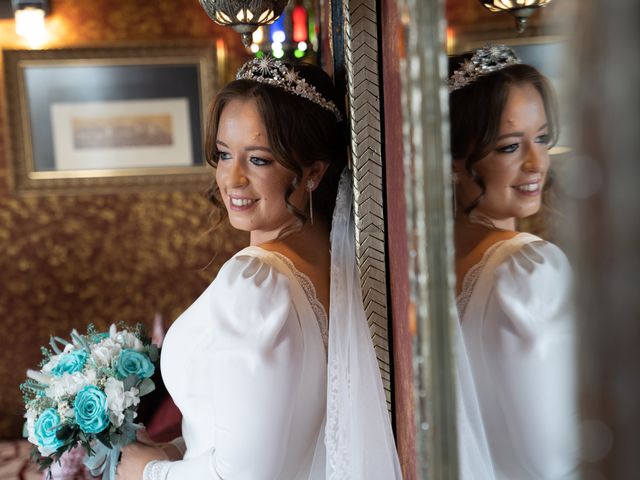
(521, 9)
(29, 15)
(244, 16)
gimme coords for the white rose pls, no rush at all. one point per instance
(31, 415)
(105, 351)
(126, 339)
(115, 401)
(70, 383)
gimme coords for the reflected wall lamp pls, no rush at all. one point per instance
(29, 16)
(521, 9)
(244, 16)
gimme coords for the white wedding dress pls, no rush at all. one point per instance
(269, 389)
(246, 365)
(516, 367)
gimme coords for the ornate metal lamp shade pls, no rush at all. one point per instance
(244, 16)
(521, 9)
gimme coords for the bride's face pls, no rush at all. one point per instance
(252, 183)
(514, 171)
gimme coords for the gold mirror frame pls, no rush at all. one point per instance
(209, 59)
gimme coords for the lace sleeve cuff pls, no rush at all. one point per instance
(156, 470)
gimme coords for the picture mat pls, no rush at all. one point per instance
(70, 156)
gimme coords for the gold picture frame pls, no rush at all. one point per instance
(99, 120)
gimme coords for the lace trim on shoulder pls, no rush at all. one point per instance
(471, 277)
(310, 292)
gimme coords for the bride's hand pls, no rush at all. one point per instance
(136, 455)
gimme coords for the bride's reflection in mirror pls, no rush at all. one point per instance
(518, 412)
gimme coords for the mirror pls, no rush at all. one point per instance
(495, 392)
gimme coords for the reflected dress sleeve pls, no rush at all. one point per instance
(254, 370)
(533, 359)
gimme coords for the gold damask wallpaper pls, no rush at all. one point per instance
(68, 260)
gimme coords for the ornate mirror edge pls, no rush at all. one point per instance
(430, 230)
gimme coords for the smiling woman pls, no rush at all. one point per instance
(250, 181)
(273, 379)
(506, 183)
(516, 336)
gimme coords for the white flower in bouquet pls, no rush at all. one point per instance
(86, 394)
(105, 351)
(69, 384)
(65, 410)
(118, 399)
(126, 339)
(31, 415)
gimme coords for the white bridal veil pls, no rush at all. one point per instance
(358, 437)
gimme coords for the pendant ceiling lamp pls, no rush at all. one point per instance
(521, 9)
(244, 16)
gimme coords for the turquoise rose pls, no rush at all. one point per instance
(131, 362)
(45, 429)
(90, 408)
(70, 363)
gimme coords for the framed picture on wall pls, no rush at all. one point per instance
(97, 119)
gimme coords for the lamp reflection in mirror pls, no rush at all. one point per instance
(521, 9)
(244, 16)
(29, 16)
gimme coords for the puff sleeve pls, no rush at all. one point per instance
(253, 367)
(531, 359)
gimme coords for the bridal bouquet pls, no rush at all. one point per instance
(86, 393)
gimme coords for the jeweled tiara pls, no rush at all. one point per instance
(270, 71)
(488, 59)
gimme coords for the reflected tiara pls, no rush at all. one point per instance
(485, 60)
(273, 72)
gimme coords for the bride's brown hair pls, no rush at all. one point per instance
(299, 132)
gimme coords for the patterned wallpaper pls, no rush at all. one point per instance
(68, 260)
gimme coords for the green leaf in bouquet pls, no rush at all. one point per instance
(130, 381)
(116, 439)
(79, 339)
(129, 430)
(86, 443)
(147, 386)
(54, 344)
(140, 331)
(154, 353)
(65, 432)
(103, 437)
(44, 463)
(129, 415)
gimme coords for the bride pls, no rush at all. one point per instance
(272, 366)
(518, 413)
